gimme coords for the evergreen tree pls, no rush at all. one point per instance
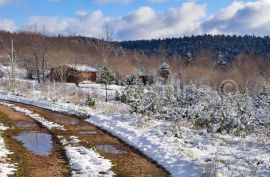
(106, 77)
(165, 71)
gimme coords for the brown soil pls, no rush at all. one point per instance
(128, 164)
(30, 165)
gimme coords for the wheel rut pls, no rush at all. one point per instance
(127, 161)
(36, 152)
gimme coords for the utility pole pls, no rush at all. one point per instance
(12, 68)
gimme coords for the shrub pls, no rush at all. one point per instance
(90, 101)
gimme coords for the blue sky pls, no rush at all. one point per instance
(203, 14)
(21, 10)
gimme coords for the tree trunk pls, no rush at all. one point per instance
(43, 69)
(37, 70)
(106, 86)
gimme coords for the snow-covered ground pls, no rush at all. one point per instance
(83, 162)
(20, 73)
(195, 153)
(6, 168)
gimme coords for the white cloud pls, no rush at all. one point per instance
(8, 25)
(241, 18)
(87, 24)
(143, 23)
(146, 23)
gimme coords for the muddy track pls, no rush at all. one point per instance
(30, 163)
(127, 161)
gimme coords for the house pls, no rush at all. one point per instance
(71, 73)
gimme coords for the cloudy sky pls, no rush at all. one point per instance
(138, 19)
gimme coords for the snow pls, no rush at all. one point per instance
(195, 153)
(20, 73)
(151, 143)
(81, 157)
(82, 68)
(6, 168)
(84, 162)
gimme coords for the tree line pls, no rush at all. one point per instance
(229, 46)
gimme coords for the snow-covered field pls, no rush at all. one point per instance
(195, 153)
(83, 162)
(6, 168)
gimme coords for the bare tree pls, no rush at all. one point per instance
(39, 50)
(104, 47)
(44, 53)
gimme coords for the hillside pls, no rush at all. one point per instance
(229, 46)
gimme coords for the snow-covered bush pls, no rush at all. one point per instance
(165, 71)
(90, 101)
(130, 80)
(202, 106)
(140, 97)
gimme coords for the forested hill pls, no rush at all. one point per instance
(229, 46)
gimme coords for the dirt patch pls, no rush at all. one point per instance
(31, 165)
(128, 164)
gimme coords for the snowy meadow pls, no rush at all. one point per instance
(191, 130)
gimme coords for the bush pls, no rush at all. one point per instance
(203, 107)
(90, 101)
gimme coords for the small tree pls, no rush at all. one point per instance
(106, 77)
(188, 58)
(165, 71)
(221, 61)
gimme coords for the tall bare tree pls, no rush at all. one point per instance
(104, 45)
(39, 50)
(44, 53)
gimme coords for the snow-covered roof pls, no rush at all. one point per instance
(82, 68)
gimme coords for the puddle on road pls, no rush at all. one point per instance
(88, 133)
(25, 124)
(66, 121)
(37, 143)
(110, 149)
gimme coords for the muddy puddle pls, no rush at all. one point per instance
(110, 149)
(37, 143)
(25, 124)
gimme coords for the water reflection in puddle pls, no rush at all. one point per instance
(110, 149)
(66, 121)
(37, 143)
(88, 133)
(25, 124)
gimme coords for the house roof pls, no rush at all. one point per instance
(82, 68)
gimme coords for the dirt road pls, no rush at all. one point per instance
(32, 163)
(127, 162)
